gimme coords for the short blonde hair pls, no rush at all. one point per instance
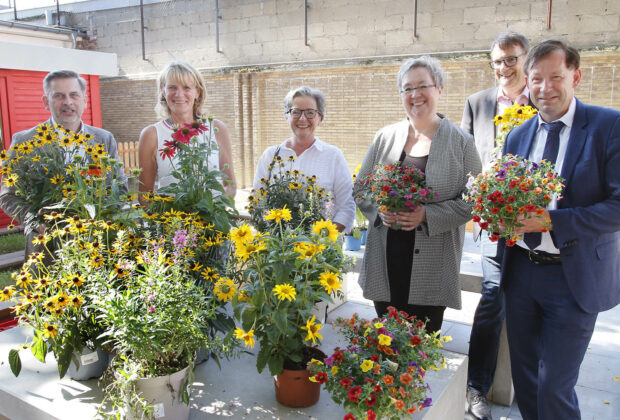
(181, 72)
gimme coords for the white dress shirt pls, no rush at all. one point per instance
(536, 154)
(330, 167)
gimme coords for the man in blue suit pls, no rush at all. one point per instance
(557, 282)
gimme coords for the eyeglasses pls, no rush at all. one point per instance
(411, 90)
(508, 61)
(296, 112)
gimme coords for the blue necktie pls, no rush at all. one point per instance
(552, 145)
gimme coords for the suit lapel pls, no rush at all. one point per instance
(490, 107)
(576, 141)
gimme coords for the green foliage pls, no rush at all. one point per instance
(12, 242)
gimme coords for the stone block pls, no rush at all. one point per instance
(345, 42)
(201, 30)
(250, 10)
(290, 32)
(246, 38)
(463, 4)
(597, 24)
(512, 13)
(389, 23)
(266, 35)
(293, 18)
(612, 6)
(489, 31)
(459, 33)
(478, 14)
(427, 6)
(580, 7)
(321, 45)
(447, 18)
(337, 28)
(251, 50)
(316, 29)
(398, 39)
(260, 22)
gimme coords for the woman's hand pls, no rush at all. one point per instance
(387, 217)
(412, 219)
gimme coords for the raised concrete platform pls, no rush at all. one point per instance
(236, 391)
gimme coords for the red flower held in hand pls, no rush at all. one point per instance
(372, 400)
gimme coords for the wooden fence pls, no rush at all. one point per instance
(128, 152)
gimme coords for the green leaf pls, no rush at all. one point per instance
(258, 299)
(39, 350)
(15, 362)
(261, 358)
(247, 319)
(276, 364)
(280, 320)
(64, 359)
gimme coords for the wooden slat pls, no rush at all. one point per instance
(128, 152)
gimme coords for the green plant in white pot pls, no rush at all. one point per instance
(158, 316)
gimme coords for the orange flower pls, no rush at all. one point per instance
(405, 378)
(388, 380)
(540, 211)
(399, 405)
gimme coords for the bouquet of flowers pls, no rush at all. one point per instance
(280, 277)
(290, 189)
(396, 187)
(512, 117)
(380, 374)
(61, 169)
(196, 186)
(514, 188)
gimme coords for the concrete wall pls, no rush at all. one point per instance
(254, 32)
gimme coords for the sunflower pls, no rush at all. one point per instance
(330, 281)
(244, 251)
(247, 337)
(313, 330)
(242, 234)
(307, 250)
(279, 214)
(284, 291)
(325, 228)
(224, 289)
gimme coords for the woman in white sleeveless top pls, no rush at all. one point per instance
(181, 95)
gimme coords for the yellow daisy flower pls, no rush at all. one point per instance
(325, 228)
(284, 291)
(279, 214)
(224, 289)
(50, 330)
(330, 281)
(313, 330)
(247, 337)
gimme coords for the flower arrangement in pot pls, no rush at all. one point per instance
(157, 316)
(306, 201)
(281, 276)
(381, 371)
(396, 187)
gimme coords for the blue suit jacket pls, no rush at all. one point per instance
(586, 225)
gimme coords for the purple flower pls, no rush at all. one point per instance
(501, 173)
(423, 192)
(151, 309)
(427, 402)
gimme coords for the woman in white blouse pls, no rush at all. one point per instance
(304, 108)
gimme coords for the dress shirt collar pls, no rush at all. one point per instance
(522, 99)
(80, 131)
(567, 118)
(318, 144)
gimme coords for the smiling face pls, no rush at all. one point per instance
(180, 97)
(552, 85)
(66, 102)
(422, 103)
(509, 78)
(302, 127)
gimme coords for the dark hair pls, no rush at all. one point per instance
(62, 74)
(510, 37)
(549, 46)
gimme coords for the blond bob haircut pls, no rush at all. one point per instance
(182, 73)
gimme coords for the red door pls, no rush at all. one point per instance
(21, 107)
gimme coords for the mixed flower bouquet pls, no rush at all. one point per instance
(280, 277)
(380, 374)
(299, 193)
(396, 187)
(196, 186)
(60, 168)
(513, 189)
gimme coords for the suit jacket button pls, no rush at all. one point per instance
(417, 251)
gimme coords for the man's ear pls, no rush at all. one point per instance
(46, 102)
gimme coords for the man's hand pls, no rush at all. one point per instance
(540, 223)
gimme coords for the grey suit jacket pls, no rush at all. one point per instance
(17, 207)
(478, 121)
(435, 269)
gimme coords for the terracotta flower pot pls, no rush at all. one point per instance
(294, 389)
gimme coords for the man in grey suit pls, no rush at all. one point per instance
(65, 98)
(508, 53)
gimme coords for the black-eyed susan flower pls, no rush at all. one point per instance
(285, 291)
(10, 180)
(50, 330)
(76, 301)
(7, 293)
(75, 280)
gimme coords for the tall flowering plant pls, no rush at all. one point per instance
(512, 117)
(381, 372)
(513, 189)
(279, 278)
(58, 168)
(196, 186)
(290, 188)
(396, 187)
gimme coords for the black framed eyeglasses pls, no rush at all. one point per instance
(508, 61)
(411, 90)
(296, 112)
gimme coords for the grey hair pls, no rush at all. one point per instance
(305, 91)
(510, 37)
(429, 63)
(62, 74)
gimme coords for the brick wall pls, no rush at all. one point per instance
(361, 98)
(269, 31)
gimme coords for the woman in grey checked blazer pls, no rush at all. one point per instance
(416, 269)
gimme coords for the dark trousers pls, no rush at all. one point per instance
(399, 259)
(488, 319)
(548, 334)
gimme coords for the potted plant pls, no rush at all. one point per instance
(380, 373)
(353, 240)
(281, 276)
(306, 201)
(157, 316)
